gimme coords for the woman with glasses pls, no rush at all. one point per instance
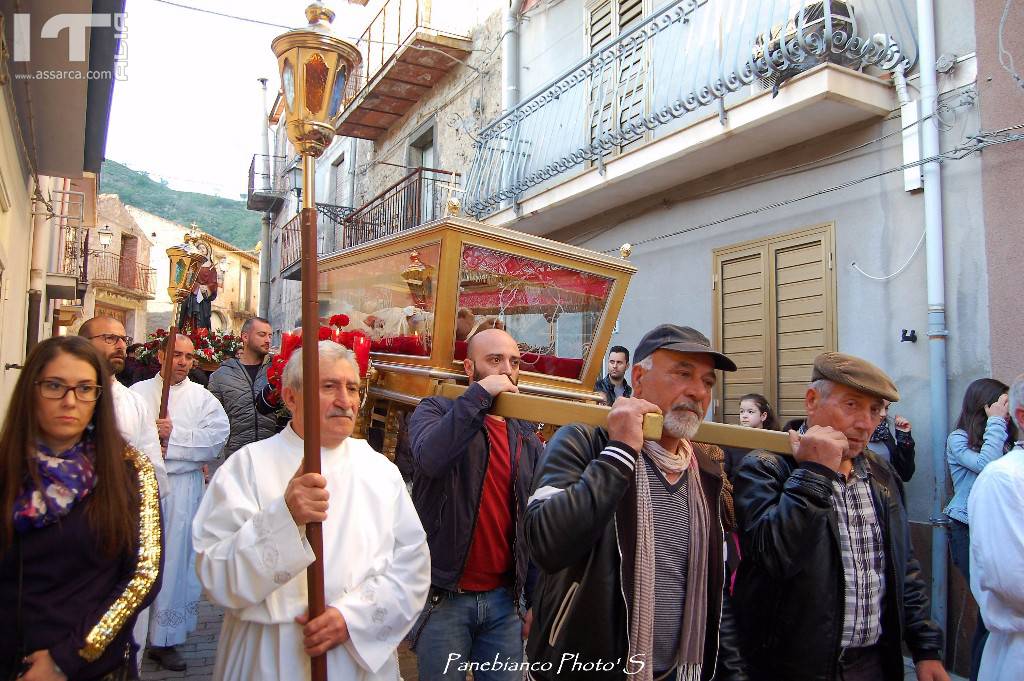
(80, 549)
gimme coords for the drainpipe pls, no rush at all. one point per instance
(937, 332)
(37, 272)
(353, 147)
(510, 56)
(264, 128)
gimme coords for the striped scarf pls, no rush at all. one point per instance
(692, 628)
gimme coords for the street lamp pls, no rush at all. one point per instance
(315, 66)
(295, 175)
(106, 236)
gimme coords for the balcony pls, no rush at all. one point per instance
(121, 275)
(403, 58)
(640, 115)
(65, 277)
(329, 227)
(418, 198)
(267, 184)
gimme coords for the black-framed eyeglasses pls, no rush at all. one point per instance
(55, 390)
(112, 338)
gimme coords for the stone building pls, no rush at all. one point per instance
(120, 279)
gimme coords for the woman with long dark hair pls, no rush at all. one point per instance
(80, 543)
(984, 432)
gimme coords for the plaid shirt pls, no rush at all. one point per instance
(863, 552)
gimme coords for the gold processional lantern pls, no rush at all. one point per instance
(186, 259)
(316, 68)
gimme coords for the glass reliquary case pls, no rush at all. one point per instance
(421, 294)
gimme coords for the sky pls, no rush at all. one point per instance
(189, 109)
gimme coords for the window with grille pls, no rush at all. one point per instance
(617, 91)
(774, 312)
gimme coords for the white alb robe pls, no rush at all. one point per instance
(252, 558)
(199, 430)
(138, 428)
(996, 510)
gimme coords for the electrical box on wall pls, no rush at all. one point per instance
(910, 114)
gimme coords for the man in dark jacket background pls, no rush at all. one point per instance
(628, 534)
(233, 384)
(613, 384)
(472, 476)
(828, 588)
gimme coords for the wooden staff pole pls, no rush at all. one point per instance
(165, 368)
(311, 395)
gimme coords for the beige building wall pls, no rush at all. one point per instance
(238, 293)
(15, 249)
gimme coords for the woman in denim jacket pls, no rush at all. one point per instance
(983, 434)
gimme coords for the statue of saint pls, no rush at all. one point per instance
(196, 306)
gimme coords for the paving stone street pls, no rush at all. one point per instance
(201, 649)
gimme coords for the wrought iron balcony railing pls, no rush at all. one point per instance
(417, 198)
(330, 219)
(688, 56)
(125, 275)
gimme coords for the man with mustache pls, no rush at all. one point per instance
(193, 433)
(630, 532)
(472, 473)
(252, 550)
(828, 588)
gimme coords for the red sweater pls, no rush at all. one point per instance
(489, 563)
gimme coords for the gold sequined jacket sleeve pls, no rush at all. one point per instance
(135, 588)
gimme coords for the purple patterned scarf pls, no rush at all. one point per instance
(66, 479)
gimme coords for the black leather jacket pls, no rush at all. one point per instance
(581, 530)
(605, 385)
(789, 587)
(450, 453)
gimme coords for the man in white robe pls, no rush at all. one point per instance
(996, 510)
(252, 552)
(137, 425)
(193, 434)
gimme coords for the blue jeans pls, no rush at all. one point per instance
(960, 548)
(461, 628)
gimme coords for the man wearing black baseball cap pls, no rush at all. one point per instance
(612, 515)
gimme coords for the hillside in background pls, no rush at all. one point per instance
(226, 219)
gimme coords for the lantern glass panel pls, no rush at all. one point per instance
(288, 80)
(338, 92)
(316, 84)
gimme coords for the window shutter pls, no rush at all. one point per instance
(742, 328)
(774, 312)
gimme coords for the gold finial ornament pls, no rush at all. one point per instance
(626, 250)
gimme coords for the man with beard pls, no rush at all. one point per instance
(629, 533)
(613, 384)
(233, 384)
(136, 423)
(472, 474)
(828, 588)
(193, 434)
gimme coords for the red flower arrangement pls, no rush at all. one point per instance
(357, 341)
(212, 347)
